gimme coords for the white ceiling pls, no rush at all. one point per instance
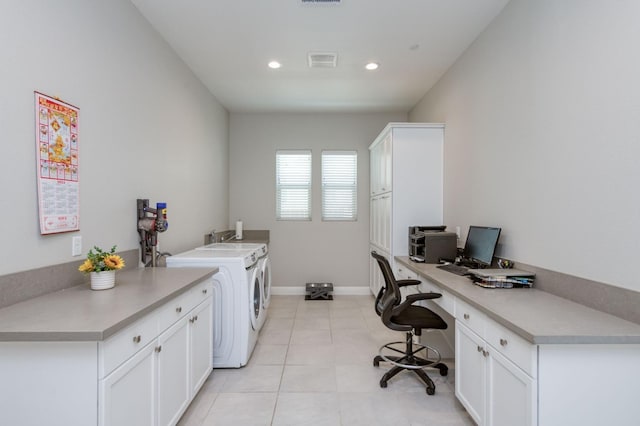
(228, 43)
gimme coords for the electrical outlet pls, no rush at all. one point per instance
(76, 246)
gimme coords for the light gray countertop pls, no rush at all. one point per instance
(537, 316)
(82, 314)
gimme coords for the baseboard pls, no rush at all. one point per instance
(340, 291)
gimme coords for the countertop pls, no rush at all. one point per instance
(81, 314)
(537, 316)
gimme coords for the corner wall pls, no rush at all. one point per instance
(302, 252)
(148, 129)
(543, 136)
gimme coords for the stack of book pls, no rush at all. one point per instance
(502, 278)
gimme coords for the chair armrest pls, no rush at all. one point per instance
(422, 296)
(404, 283)
(410, 299)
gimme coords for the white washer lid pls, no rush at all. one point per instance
(211, 257)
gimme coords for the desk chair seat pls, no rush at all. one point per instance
(401, 315)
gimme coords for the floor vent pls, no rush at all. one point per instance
(323, 60)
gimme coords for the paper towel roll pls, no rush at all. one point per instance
(239, 230)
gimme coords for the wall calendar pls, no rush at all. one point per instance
(57, 165)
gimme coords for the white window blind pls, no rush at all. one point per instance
(293, 185)
(339, 185)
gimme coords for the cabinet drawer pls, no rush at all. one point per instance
(172, 311)
(125, 343)
(446, 302)
(470, 316)
(199, 293)
(512, 346)
(404, 273)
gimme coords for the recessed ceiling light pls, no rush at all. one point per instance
(371, 66)
(274, 65)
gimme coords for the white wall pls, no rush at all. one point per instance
(543, 135)
(148, 129)
(312, 251)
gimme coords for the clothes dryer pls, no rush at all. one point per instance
(261, 251)
(237, 298)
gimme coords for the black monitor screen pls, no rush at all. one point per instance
(481, 244)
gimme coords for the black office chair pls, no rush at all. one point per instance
(404, 316)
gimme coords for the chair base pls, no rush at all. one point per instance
(410, 361)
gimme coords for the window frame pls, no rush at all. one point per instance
(329, 184)
(288, 214)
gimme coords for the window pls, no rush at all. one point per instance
(293, 185)
(339, 185)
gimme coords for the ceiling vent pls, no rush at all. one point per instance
(322, 60)
(310, 2)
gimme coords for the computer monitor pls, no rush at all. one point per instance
(481, 244)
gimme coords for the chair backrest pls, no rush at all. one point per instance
(389, 295)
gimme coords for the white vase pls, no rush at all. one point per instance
(103, 280)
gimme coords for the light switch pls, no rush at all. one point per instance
(76, 246)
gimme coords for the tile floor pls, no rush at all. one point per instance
(313, 366)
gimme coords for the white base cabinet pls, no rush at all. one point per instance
(511, 393)
(173, 353)
(201, 346)
(155, 386)
(128, 394)
(144, 375)
(493, 389)
(495, 371)
(502, 379)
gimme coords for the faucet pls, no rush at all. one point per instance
(227, 235)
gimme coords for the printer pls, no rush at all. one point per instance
(430, 244)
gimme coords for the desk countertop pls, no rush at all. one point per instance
(537, 316)
(82, 314)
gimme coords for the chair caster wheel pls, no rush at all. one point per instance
(431, 391)
(383, 384)
(444, 370)
(376, 363)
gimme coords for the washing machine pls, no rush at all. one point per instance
(261, 251)
(264, 268)
(237, 301)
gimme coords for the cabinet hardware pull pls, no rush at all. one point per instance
(503, 342)
(192, 319)
(158, 349)
(179, 309)
(195, 318)
(480, 348)
(485, 353)
(466, 316)
(137, 339)
(204, 291)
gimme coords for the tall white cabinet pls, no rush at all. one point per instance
(406, 165)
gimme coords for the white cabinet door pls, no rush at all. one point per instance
(172, 352)
(385, 222)
(374, 233)
(492, 388)
(201, 344)
(380, 166)
(470, 372)
(511, 393)
(128, 393)
(385, 164)
(380, 234)
(374, 172)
